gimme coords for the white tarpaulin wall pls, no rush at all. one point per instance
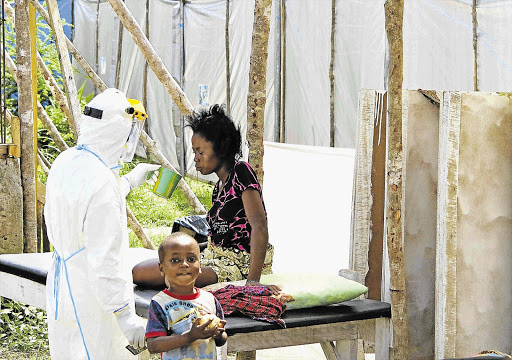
(438, 54)
(309, 218)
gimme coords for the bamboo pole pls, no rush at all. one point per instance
(25, 111)
(257, 95)
(394, 29)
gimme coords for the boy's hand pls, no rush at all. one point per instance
(219, 330)
(201, 331)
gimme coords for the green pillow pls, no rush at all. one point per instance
(314, 289)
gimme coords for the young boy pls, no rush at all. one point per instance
(176, 326)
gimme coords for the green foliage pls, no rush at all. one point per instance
(155, 212)
(23, 328)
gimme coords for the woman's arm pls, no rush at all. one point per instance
(255, 212)
(259, 235)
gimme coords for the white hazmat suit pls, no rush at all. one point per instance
(90, 279)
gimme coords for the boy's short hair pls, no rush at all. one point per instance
(169, 240)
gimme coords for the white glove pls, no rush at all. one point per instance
(139, 174)
(132, 326)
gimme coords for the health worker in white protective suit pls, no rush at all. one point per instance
(89, 300)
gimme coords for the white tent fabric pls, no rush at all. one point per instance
(309, 218)
(307, 67)
(438, 54)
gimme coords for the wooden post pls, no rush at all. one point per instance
(25, 111)
(394, 27)
(11, 202)
(447, 215)
(257, 95)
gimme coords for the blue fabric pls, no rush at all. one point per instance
(59, 263)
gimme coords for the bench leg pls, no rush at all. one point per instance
(349, 349)
(382, 338)
(246, 355)
(330, 352)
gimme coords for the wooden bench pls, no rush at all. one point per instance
(23, 278)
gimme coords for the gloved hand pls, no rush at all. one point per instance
(139, 174)
(132, 326)
(152, 177)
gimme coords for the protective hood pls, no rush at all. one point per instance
(107, 126)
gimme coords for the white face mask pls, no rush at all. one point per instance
(133, 140)
(139, 119)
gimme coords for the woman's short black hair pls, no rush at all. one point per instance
(216, 126)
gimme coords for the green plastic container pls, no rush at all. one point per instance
(166, 183)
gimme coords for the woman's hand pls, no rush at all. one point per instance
(273, 288)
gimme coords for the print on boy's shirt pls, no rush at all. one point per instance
(180, 315)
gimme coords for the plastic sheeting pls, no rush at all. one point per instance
(309, 218)
(438, 54)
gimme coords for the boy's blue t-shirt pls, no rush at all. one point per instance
(174, 314)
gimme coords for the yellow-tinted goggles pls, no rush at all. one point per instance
(136, 110)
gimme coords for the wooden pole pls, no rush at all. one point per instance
(475, 46)
(152, 57)
(65, 64)
(394, 27)
(25, 110)
(97, 40)
(48, 77)
(228, 70)
(73, 50)
(33, 63)
(282, 122)
(331, 71)
(146, 140)
(257, 95)
(119, 53)
(145, 75)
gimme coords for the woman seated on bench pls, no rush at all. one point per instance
(238, 247)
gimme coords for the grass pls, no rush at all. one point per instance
(23, 329)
